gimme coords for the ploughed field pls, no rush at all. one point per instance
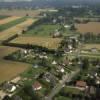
(50, 43)
(10, 69)
(93, 27)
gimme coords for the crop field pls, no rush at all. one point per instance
(90, 46)
(51, 43)
(42, 30)
(15, 29)
(8, 19)
(3, 17)
(89, 27)
(12, 23)
(10, 69)
(20, 12)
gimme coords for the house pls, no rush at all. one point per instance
(9, 87)
(56, 34)
(81, 84)
(54, 62)
(37, 86)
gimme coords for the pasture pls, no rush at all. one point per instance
(50, 43)
(93, 27)
(10, 69)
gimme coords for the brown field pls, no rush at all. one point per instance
(9, 19)
(90, 46)
(89, 27)
(51, 43)
(10, 69)
(15, 29)
(20, 12)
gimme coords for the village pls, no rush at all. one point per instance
(64, 60)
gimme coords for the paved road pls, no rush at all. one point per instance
(58, 87)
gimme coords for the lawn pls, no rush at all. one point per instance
(12, 23)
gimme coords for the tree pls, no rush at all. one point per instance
(85, 64)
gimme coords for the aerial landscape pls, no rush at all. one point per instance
(49, 50)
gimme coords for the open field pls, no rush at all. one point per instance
(89, 27)
(51, 43)
(20, 12)
(12, 23)
(15, 29)
(90, 46)
(10, 69)
(7, 20)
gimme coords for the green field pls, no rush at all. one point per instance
(12, 23)
(3, 17)
(46, 30)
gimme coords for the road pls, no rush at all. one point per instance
(59, 86)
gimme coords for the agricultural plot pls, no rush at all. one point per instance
(91, 46)
(51, 43)
(15, 29)
(43, 30)
(12, 23)
(3, 17)
(20, 12)
(8, 19)
(10, 69)
(93, 27)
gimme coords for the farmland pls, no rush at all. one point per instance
(20, 12)
(8, 19)
(91, 46)
(9, 69)
(47, 42)
(12, 23)
(89, 27)
(15, 29)
(3, 17)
